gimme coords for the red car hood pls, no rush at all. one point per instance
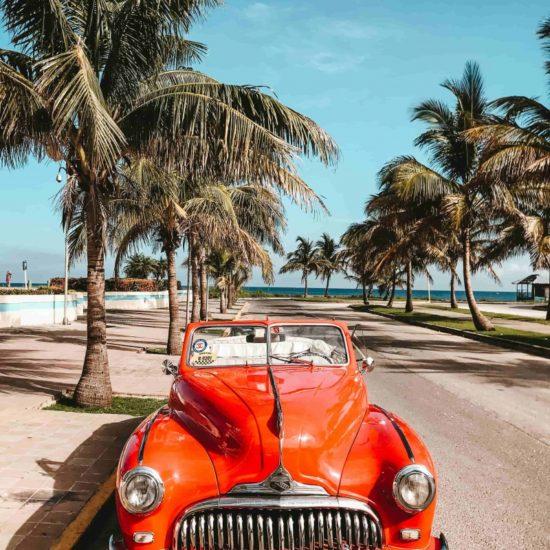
(231, 412)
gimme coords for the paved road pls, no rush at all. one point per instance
(483, 413)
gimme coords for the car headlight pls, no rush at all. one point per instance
(141, 490)
(414, 488)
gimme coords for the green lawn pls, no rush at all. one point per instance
(157, 351)
(505, 333)
(492, 315)
(133, 406)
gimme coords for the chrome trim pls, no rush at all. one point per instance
(406, 472)
(280, 482)
(308, 521)
(129, 475)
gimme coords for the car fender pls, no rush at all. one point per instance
(384, 445)
(162, 443)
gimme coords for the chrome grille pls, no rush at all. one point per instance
(279, 528)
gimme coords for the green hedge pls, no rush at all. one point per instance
(34, 291)
(111, 285)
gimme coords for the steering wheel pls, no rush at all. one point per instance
(313, 354)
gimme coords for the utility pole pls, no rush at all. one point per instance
(25, 265)
(66, 236)
(188, 283)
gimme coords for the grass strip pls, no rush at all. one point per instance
(492, 315)
(465, 325)
(132, 406)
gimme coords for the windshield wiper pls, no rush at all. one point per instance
(291, 361)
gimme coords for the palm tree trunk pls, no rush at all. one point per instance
(392, 291)
(365, 296)
(195, 282)
(173, 345)
(305, 284)
(327, 285)
(409, 308)
(548, 297)
(203, 285)
(223, 300)
(454, 303)
(480, 321)
(94, 386)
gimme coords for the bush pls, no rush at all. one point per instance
(34, 291)
(131, 285)
(111, 285)
(76, 284)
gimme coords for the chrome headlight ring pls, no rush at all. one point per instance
(147, 484)
(411, 478)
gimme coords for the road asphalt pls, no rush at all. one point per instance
(483, 412)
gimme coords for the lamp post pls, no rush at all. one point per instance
(59, 179)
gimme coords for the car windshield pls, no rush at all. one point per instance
(298, 344)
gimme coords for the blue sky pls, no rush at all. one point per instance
(357, 68)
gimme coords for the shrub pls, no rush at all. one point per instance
(35, 291)
(111, 285)
(131, 285)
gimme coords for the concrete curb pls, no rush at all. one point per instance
(76, 529)
(491, 340)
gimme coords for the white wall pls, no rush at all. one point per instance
(42, 309)
(27, 310)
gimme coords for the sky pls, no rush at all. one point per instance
(355, 67)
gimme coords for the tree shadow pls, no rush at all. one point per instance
(75, 481)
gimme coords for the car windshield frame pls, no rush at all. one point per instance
(268, 359)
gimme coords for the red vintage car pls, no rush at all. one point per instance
(269, 442)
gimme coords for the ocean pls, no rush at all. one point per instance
(442, 295)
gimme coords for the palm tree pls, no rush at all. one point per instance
(516, 152)
(330, 258)
(160, 270)
(304, 259)
(139, 266)
(97, 85)
(462, 195)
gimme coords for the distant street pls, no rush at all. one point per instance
(484, 413)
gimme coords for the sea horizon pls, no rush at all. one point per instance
(418, 294)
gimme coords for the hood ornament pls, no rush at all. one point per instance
(280, 482)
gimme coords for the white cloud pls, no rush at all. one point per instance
(257, 11)
(347, 29)
(327, 62)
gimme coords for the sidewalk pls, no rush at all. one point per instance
(53, 462)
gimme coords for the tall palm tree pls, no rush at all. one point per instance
(139, 266)
(455, 180)
(330, 258)
(304, 259)
(97, 86)
(516, 152)
(160, 270)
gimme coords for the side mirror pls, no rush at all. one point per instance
(169, 368)
(366, 364)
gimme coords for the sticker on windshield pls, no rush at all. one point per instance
(199, 346)
(204, 359)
